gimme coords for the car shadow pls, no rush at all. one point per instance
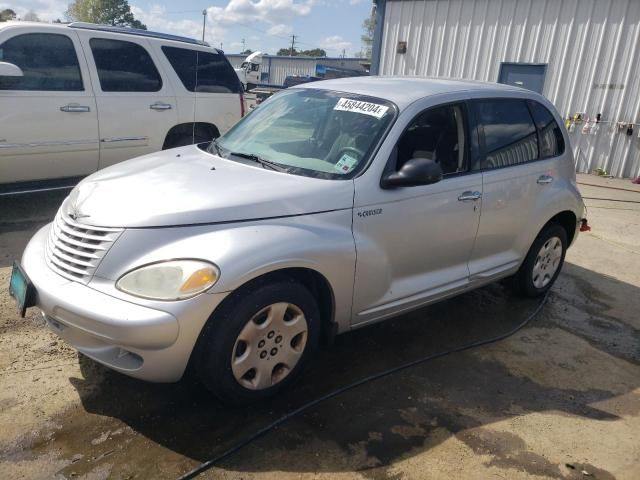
(372, 426)
(21, 216)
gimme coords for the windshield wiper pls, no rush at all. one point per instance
(265, 163)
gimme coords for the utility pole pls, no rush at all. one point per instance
(204, 20)
(243, 46)
(344, 53)
(293, 43)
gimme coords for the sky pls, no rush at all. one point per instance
(265, 25)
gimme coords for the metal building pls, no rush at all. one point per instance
(275, 69)
(583, 55)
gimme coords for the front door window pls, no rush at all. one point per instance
(436, 134)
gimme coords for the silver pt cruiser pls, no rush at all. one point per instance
(332, 206)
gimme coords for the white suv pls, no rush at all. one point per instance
(77, 98)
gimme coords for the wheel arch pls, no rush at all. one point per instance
(189, 128)
(311, 279)
(567, 220)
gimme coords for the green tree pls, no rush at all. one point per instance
(106, 12)
(316, 52)
(7, 14)
(368, 27)
(284, 52)
(247, 52)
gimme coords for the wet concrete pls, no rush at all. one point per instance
(560, 399)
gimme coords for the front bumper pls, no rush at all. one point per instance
(139, 341)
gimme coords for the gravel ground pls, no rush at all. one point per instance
(560, 399)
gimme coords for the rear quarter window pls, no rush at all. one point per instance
(203, 72)
(550, 137)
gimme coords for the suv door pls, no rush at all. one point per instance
(518, 163)
(413, 243)
(136, 106)
(207, 88)
(49, 126)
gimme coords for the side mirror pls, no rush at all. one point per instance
(10, 70)
(417, 171)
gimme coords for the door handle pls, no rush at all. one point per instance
(544, 179)
(71, 108)
(469, 196)
(159, 106)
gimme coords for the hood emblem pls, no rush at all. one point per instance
(75, 213)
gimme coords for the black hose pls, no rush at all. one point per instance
(251, 438)
(610, 200)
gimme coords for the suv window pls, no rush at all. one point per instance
(214, 73)
(437, 134)
(124, 66)
(48, 61)
(550, 139)
(507, 133)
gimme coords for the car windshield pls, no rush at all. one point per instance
(316, 133)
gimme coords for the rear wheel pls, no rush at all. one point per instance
(543, 263)
(259, 341)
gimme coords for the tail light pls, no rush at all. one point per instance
(241, 105)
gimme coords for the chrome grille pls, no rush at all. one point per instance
(75, 250)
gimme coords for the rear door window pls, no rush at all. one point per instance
(550, 137)
(507, 133)
(48, 62)
(202, 71)
(124, 66)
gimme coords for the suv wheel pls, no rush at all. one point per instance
(543, 263)
(258, 343)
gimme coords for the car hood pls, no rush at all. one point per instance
(187, 186)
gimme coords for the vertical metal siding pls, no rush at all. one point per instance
(585, 43)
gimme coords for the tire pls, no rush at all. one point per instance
(247, 334)
(543, 263)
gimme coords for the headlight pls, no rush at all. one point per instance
(170, 280)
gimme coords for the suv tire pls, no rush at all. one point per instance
(258, 342)
(543, 263)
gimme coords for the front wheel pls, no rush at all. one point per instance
(543, 263)
(259, 341)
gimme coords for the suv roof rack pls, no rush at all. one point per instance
(136, 31)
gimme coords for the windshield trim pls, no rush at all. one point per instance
(369, 155)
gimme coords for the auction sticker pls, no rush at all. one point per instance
(345, 164)
(367, 108)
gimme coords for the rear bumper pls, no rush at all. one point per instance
(139, 341)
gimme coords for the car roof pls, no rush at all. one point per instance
(403, 91)
(108, 29)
